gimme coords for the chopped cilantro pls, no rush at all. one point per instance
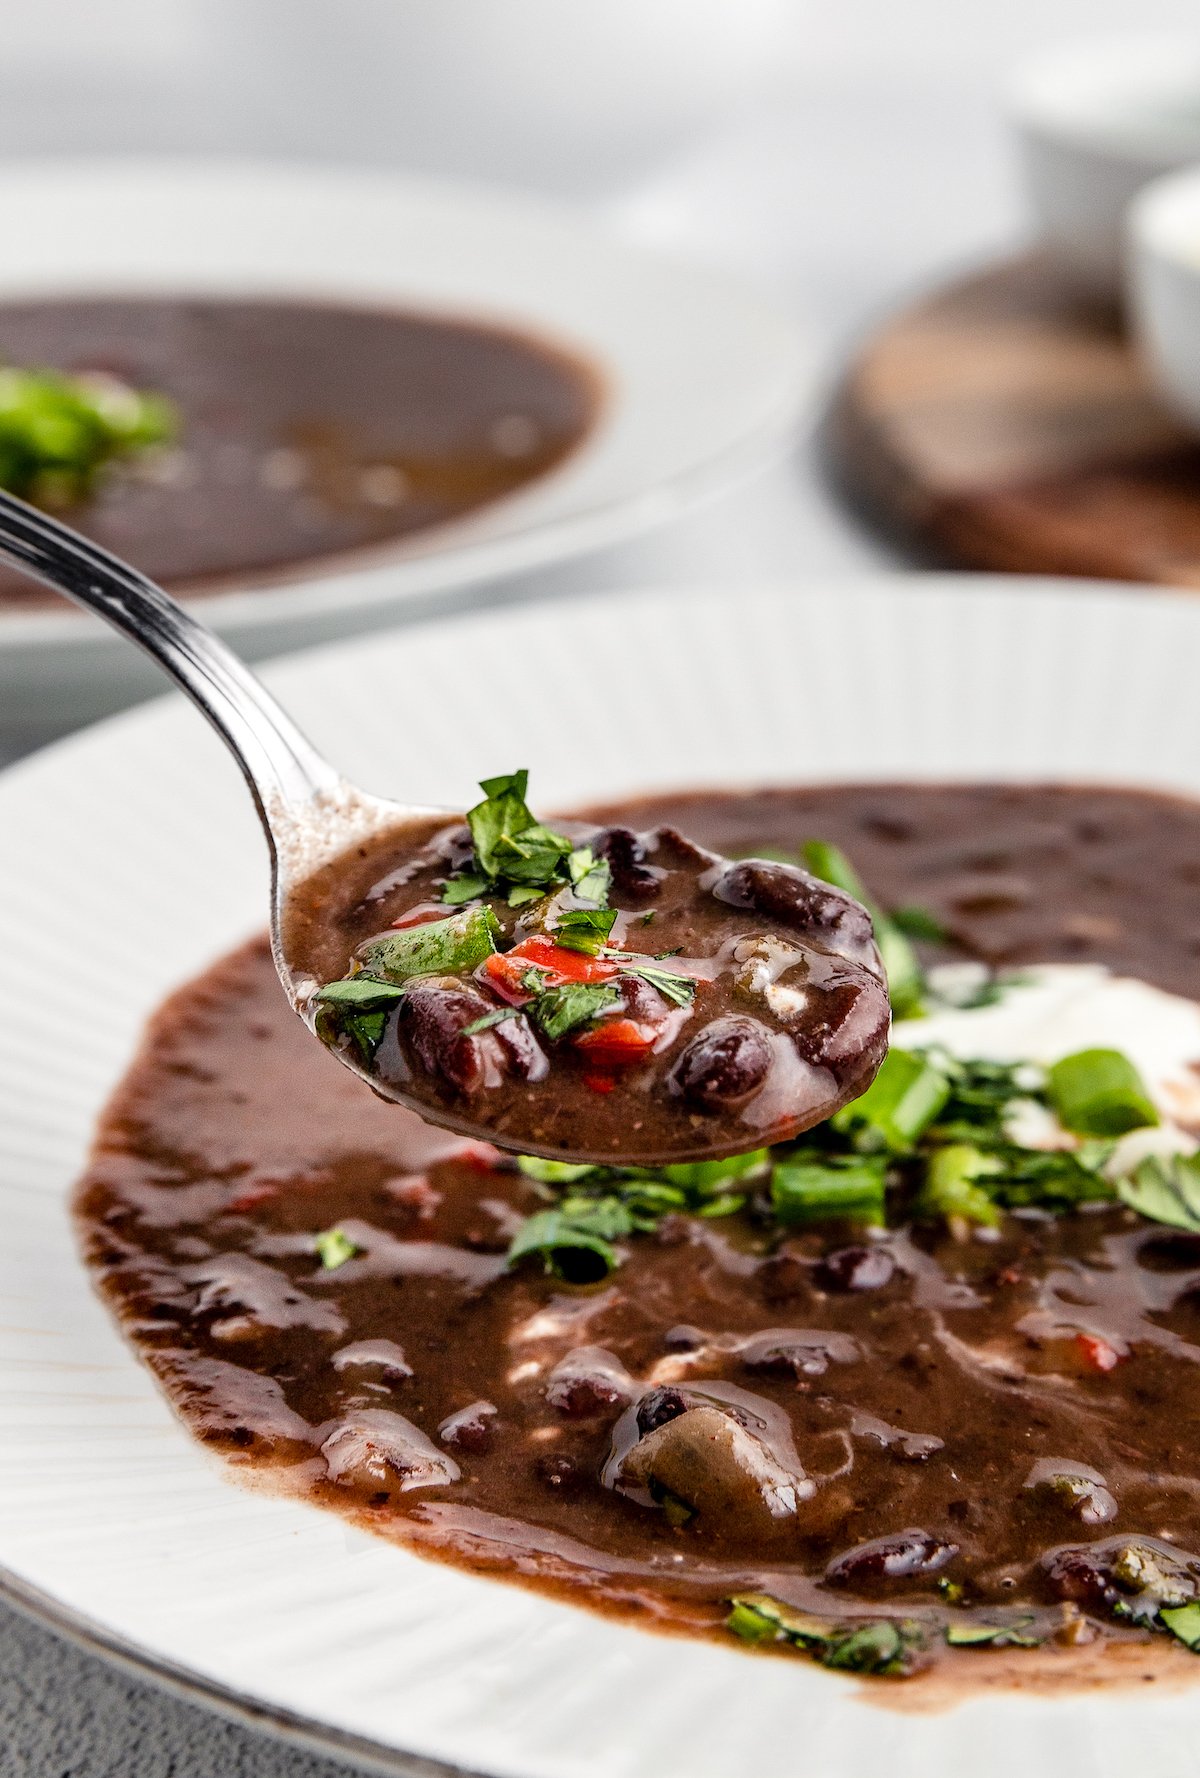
(515, 854)
(485, 1022)
(559, 1011)
(362, 993)
(591, 877)
(357, 1008)
(916, 922)
(880, 1646)
(333, 1247)
(574, 1241)
(1165, 1189)
(584, 929)
(679, 989)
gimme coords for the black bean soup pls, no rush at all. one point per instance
(640, 997)
(305, 430)
(892, 1448)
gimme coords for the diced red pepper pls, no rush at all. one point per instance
(556, 964)
(600, 1083)
(1097, 1353)
(253, 1195)
(484, 1157)
(618, 1042)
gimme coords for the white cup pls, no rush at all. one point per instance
(1095, 123)
(1163, 287)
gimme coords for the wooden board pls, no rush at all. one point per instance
(1000, 424)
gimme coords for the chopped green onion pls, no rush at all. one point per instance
(1183, 1621)
(811, 1186)
(1099, 1092)
(712, 1177)
(918, 922)
(553, 1172)
(440, 947)
(905, 977)
(950, 1188)
(901, 1102)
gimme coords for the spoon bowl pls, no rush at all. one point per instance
(804, 949)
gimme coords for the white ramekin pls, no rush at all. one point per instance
(1163, 286)
(1095, 122)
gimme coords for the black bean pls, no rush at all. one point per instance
(626, 855)
(433, 1017)
(658, 1406)
(856, 1268)
(897, 1557)
(562, 1475)
(725, 1064)
(844, 1022)
(785, 893)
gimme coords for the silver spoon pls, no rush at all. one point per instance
(309, 812)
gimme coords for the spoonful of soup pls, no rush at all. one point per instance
(579, 992)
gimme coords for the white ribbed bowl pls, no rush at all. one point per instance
(131, 861)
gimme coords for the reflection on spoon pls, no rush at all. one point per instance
(571, 991)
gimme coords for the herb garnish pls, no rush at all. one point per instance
(558, 1011)
(439, 947)
(57, 432)
(1166, 1190)
(905, 977)
(881, 1646)
(679, 989)
(603, 1205)
(517, 856)
(333, 1248)
(584, 929)
(928, 1142)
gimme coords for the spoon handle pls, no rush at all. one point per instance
(283, 770)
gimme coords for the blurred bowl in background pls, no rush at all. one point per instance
(1164, 287)
(549, 95)
(702, 379)
(1095, 122)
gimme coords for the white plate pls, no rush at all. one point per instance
(132, 859)
(703, 377)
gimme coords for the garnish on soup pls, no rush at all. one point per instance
(915, 1388)
(58, 432)
(594, 992)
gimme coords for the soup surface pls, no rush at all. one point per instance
(896, 1447)
(306, 430)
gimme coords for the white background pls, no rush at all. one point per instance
(838, 152)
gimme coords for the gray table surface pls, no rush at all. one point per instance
(837, 197)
